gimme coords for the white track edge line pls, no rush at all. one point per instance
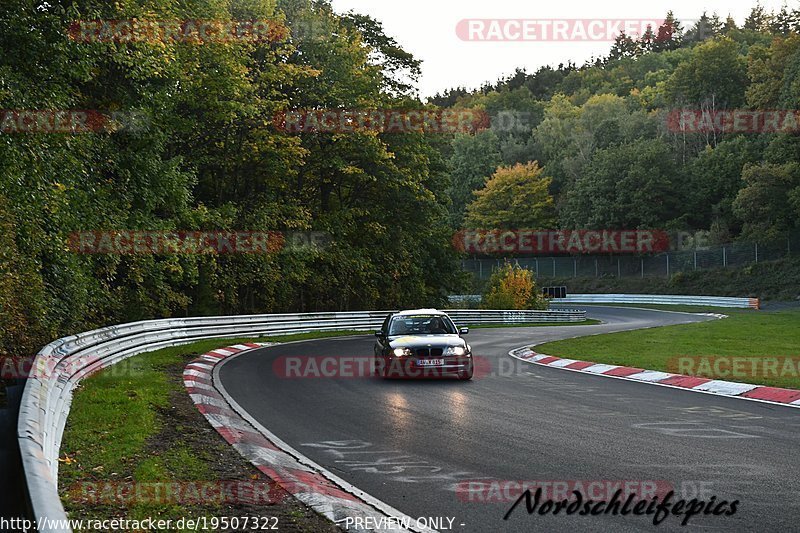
(379, 505)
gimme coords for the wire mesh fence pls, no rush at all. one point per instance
(663, 264)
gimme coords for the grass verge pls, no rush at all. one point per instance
(745, 333)
(134, 425)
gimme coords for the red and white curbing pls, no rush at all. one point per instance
(787, 397)
(305, 480)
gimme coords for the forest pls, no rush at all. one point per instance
(191, 145)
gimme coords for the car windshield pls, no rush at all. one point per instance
(421, 325)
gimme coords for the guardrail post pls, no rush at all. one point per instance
(554, 267)
(667, 265)
(724, 257)
(756, 252)
(642, 260)
(695, 259)
(596, 269)
(574, 267)
(619, 268)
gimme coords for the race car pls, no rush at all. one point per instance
(422, 343)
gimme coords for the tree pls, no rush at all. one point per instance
(669, 34)
(628, 186)
(784, 22)
(648, 39)
(714, 180)
(714, 77)
(773, 73)
(401, 70)
(758, 19)
(513, 287)
(515, 197)
(705, 28)
(474, 160)
(767, 204)
(729, 26)
(624, 46)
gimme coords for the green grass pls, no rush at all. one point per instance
(115, 417)
(746, 333)
(133, 390)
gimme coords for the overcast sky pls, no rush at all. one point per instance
(427, 29)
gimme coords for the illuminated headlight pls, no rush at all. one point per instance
(402, 352)
(454, 350)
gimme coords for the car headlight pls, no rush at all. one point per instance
(402, 352)
(454, 350)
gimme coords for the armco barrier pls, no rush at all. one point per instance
(716, 301)
(660, 299)
(62, 364)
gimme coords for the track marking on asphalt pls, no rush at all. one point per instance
(720, 412)
(391, 463)
(767, 431)
(701, 432)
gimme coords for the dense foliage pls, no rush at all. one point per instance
(604, 134)
(197, 149)
(203, 154)
(513, 287)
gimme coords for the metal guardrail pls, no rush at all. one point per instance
(62, 364)
(660, 299)
(715, 301)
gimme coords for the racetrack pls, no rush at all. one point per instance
(411, 443)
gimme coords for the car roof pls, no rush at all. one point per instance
(421, 312)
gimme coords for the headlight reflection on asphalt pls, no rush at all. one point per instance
(458, 403)
(398, 409)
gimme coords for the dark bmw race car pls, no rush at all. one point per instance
(422, 343)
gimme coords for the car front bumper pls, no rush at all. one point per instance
(409, 367)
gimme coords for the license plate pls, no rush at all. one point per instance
(430, 362)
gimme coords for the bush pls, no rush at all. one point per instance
(513, 287)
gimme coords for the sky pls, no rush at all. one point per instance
(427, 29)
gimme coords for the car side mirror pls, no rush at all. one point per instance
(379, 334)
(463, 331)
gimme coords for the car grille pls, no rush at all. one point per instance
(429, 352)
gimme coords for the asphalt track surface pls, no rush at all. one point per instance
(413, 444)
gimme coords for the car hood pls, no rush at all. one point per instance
(425, 341)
